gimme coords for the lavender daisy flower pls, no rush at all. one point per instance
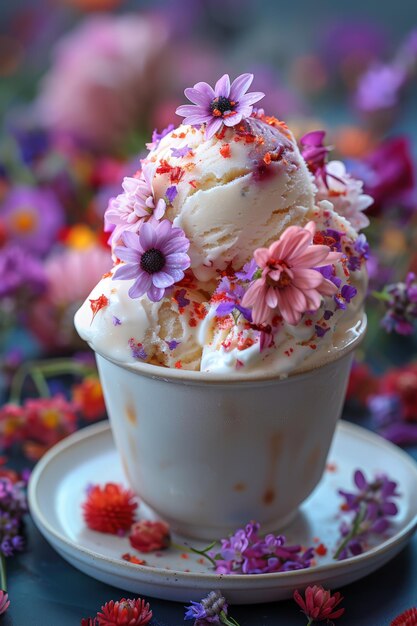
(225, 104)
(156, 258)
(134, 206)
(32, 218)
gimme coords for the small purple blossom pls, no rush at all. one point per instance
(401, 303)
(385, 408)
(246, 552)
(232, 293)
(21, 272)
(180, 152)
(13, 506)
(347, 293)
(116, 321)
(248, 271)
(370, 508)
(155, 258)
(225, 104)
(362, 246)
(379, 88)
(212, 609)
(171, 193)
(156, 137)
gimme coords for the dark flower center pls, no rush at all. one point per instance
(152, 261)
(220, 105)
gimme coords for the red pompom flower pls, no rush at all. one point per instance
(147, 536)
(319, 603)
(408, 618)
(125, 612)
(109, 509)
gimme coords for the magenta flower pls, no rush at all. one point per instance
(225, 104)
(315, 153)
(290, 280)
(4, 602)
(156, 258)
(135, 205)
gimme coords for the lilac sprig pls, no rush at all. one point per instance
(247, 552)
(210, 610)
(13, 506)
(400, 300)
(370, 509)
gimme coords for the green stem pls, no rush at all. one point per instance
(203, 553)
(225, 620)
(40, 370)
(3, 581)
(310, 621)
(359, 517)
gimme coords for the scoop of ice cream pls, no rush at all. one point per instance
(227, 257)
(233, 192)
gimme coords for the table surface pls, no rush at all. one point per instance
(46, 591)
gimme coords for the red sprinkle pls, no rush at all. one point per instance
(225, 151)
(321, 549)
(178, 365)
(97, 305)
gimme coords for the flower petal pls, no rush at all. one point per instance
(198, 97)
(124, 272)
(232, 120)
(131, 240)
(206, 89)
(251, 98)
(222, 87)
(155, 293)
(188, 109)
(307, 278)
(148, 236)
(140, 286)
(127, 254)
(213, 126)
(240, 86)
(162, 279)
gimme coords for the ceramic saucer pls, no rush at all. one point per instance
(57, 489)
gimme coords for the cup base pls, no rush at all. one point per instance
(211, 533)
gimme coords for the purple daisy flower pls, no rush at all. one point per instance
(225, 104)
(32, 218)
(156, 258)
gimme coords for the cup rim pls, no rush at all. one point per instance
(167, 374)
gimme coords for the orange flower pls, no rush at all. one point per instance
(109, 509)
(88, 396)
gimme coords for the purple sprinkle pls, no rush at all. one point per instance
(327, 315)
(181, 299)
(156, 137)
(171, 193)
(173, 344)
(180, 152)
(320, 331)
(116, 321)
(137, 350)
(348, 292)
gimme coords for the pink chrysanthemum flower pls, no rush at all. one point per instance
(319, 604)
(156, 258)
(289, 281)
(4, 602)
(129, 612)
(225, 104)
(134, 206)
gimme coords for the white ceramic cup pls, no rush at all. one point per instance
(209, 454)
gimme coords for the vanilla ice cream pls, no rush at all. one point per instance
(230, 194)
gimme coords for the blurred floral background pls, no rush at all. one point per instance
(83, 85)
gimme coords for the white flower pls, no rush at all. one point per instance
(345, 193)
